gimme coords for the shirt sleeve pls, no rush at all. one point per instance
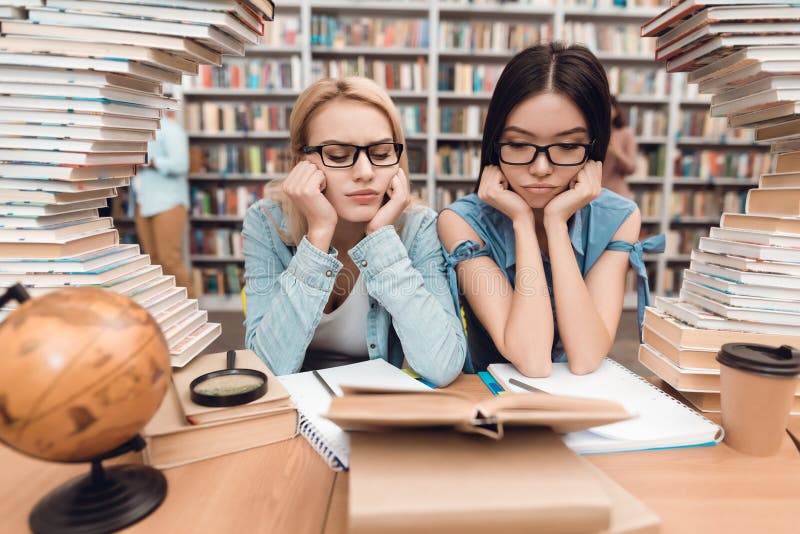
(284, 306)
(412, 286)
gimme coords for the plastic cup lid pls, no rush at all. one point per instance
(761, 359)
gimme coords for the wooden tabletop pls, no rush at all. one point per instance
(286, 487)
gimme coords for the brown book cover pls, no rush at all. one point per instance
(763, 223)
(682, 335)
(783, 130)
(697, 380)
(690, 358)
(463, 483)
(780, 179)
(61, 249)
(710, 402)
(172, 441)
(780, 201)
(680, 379)
(275, 400)
(789, 161)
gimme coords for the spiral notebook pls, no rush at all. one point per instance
(312, 400)
(662, 423)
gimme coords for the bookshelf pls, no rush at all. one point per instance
(439, 65)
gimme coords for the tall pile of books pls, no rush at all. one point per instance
(81, 94)
(743, 284)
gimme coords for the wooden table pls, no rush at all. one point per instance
(286, 487)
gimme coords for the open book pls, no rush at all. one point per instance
(312, 400)
(372, 409)
(662, 422)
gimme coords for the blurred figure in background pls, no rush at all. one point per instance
(161, 193)
(621, 156)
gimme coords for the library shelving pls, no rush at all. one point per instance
(439, 61)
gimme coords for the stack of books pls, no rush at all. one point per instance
(743, 284)
(183, 431)
(81, 94)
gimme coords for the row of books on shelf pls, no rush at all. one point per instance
(637, 81)
(466, 120)
(594, 4)
(722, 163)
(236, 117)
(232, 201)
(609, 38)
(227, 280)
(681, 241)
(220, 242)
(468, 78)
(282, 31)
(402, 75)
(689, 203)
(459, 160)
(251, 73)
(651, 162)
(495, 36)
(698, 123)
(647, 122)
(338, 31)
(389, 74)
(445, 195)
(232, 158)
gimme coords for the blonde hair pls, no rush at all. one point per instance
(319, 93)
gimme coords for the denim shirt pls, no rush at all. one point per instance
(411, 312)
(590, 231)
(157, 190)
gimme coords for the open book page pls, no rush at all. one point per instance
(662, 421)
(377, 373)
(313, 401)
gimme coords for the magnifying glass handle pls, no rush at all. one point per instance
(231, 359)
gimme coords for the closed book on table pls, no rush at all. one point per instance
(448, 482)
(275, 400)
(501, 472)
(172, 441)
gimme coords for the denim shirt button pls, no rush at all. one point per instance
(372, 345)
(363, 263)
(328, 273)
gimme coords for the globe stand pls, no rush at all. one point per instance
(104, 500)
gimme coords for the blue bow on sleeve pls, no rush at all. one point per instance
(654, 244)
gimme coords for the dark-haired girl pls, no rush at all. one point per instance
(541, 251)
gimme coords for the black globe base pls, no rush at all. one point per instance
(103, 501)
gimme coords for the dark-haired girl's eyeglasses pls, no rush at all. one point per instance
(561, 154)
(342, 156)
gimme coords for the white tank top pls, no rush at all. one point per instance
(343, 332)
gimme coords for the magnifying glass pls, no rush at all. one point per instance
(228, 387)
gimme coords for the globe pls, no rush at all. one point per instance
(83, 370)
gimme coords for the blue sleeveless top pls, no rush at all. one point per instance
(590, 231)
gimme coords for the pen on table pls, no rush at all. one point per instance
(322, 381)
(525, 386)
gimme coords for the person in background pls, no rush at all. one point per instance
(340, 265)
(161, 193)
(621, 154)
(541, 251)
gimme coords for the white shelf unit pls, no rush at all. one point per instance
(429, 140)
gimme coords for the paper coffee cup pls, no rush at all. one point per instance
(758, 383)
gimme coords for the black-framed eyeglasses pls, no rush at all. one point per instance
(561, 154)
(341, 156)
